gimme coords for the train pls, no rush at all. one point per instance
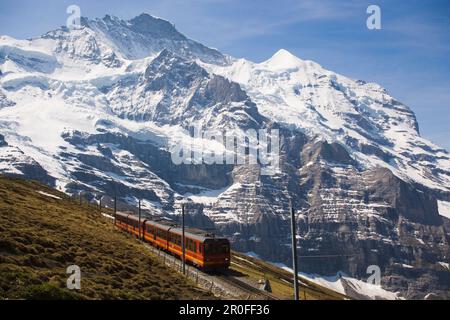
(203, 250)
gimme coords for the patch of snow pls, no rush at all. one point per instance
(252, 254)
(339, 282)
(444, 208)
(107, 216)
(208, 196)
(49, 195)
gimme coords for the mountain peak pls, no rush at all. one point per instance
(157, 28)
(146, 35)
(283, 59)
(283, 53)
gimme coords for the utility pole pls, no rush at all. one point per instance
(140, 238)
(183, 239)
(115, 208)
(294, 252)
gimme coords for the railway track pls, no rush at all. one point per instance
(228, 283)
(286, 278)
(246, 287)
(221, 281)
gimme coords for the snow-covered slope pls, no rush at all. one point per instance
(375, 128)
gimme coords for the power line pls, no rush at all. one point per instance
(330, 255)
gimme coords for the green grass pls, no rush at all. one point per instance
(41, 236)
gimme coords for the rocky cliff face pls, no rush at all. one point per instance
(96, 109)
(348, 219)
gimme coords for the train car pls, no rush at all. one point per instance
(127, 221)
(202, 249)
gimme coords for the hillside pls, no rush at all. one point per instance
(42, 231)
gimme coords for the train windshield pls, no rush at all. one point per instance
(216, 246)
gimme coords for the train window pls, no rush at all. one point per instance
(190, 245)
(216, 248)
(176, 239)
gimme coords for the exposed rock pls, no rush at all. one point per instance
(3, 143)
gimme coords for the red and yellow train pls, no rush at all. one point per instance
(202, 249)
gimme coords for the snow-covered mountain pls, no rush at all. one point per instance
(96, 109)
(375, 128)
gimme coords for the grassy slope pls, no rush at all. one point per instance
(40, 236)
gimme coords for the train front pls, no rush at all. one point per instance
(217, 253)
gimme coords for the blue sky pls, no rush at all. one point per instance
(410, 55)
